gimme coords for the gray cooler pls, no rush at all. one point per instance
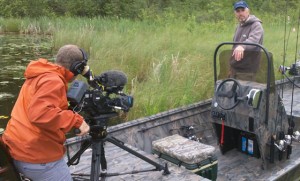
(197, 157)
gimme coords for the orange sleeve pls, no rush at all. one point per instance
(48, 106)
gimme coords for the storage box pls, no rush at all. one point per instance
(197, 157)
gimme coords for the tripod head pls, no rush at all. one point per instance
(98, 125)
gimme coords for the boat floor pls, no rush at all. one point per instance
(120, 161)
(233, 165)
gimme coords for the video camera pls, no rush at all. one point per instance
(100, 100)
(102, 95)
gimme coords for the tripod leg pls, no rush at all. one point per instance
(98, 157)
(103, 159)
(157, 166)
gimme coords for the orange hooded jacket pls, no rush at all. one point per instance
(39, 120)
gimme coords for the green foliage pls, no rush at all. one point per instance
(121, 8)
(28, 8)
(11, 25)
(275, 6)
(203, 10)
(86, 8)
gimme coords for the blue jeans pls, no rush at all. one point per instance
(53, 171)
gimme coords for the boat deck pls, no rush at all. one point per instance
(126, 164)
(235, 165)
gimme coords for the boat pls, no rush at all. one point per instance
(253, 126)
(250, 127)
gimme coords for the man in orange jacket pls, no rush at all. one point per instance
(35, 134)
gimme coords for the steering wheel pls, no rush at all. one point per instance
(227, 94)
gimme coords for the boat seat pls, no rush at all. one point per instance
(195, 156)
(183, 149)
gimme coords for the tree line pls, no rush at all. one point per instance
(137, 9)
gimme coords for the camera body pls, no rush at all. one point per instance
(96, 101)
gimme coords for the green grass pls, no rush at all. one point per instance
(168, 63)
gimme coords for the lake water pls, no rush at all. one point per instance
(16, 51)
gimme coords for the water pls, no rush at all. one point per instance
(16, 51)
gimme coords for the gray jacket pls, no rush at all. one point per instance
(249, 32)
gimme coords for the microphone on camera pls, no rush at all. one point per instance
(112, 79)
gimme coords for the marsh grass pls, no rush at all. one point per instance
(10, 25)
(168, 63)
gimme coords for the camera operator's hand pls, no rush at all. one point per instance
(84, 129)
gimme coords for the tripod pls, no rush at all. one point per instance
(98, 137)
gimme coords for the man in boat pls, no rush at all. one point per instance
(245, 59)
(35, 134)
